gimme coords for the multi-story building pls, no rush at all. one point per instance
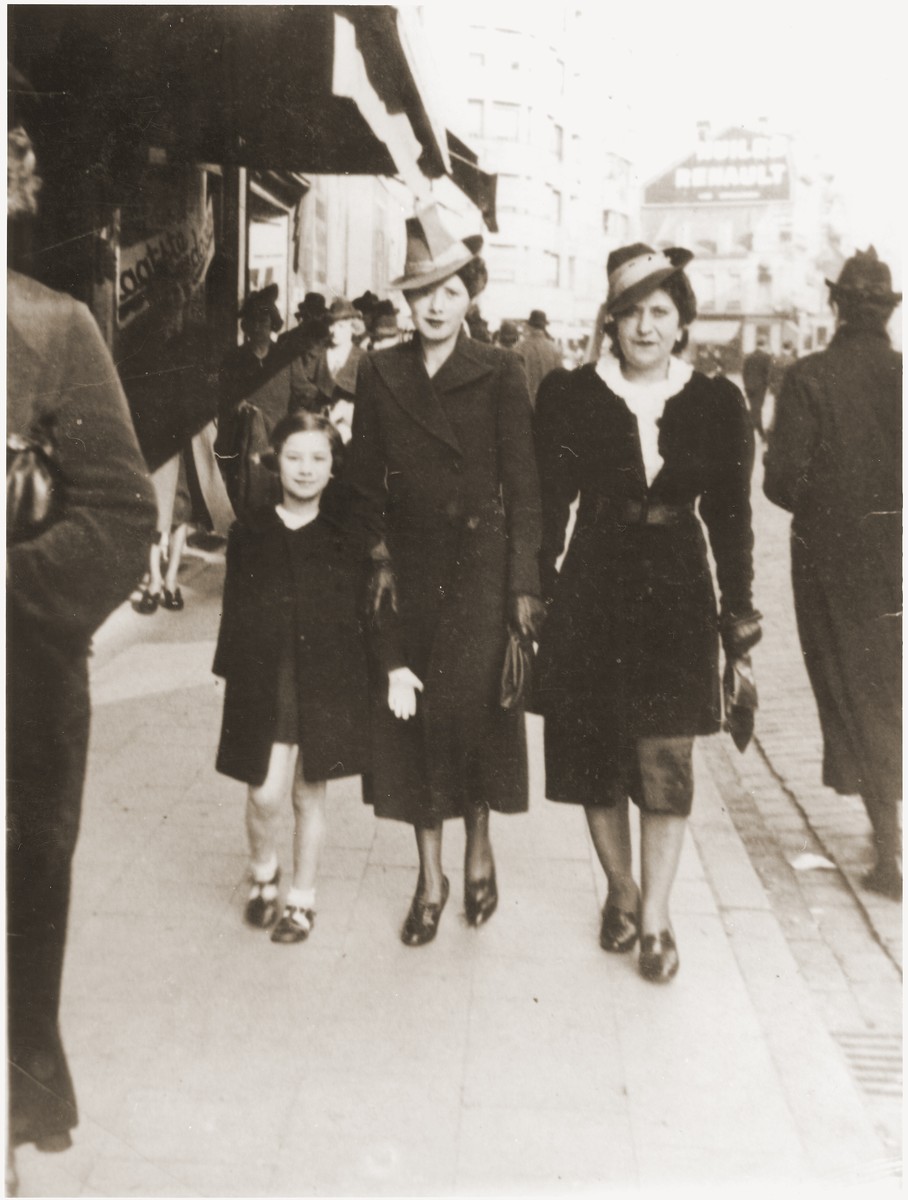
(563, 201)
(760, 218)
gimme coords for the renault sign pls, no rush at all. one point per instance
(734, 166)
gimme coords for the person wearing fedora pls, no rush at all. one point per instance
(383, 327)
(538, 351)
(834, 462)
(443, 470)
(628, 666)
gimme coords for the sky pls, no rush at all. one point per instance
(830, 74)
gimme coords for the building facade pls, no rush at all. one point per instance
(762, 221)
(563, 199)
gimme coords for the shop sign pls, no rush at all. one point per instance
(733, 167)
(187, 246)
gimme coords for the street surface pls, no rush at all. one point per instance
(515, 1059)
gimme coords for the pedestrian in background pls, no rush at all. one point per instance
(834, 461)
(780, 365)
(539, 353)
(63, 577)
(385, 331)
(508, 335)
(442, 464)
(291, 650)
(628, 666)
(756, 372)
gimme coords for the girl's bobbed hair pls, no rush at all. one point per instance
(304, 421)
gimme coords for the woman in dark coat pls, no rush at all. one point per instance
(61, 584)
(442, 460)
(628, 661)
(292, 650)
(835, 461)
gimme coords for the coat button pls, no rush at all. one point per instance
(472, 522)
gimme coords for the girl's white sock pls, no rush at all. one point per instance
(301, 898)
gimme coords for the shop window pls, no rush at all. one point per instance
(504, 121)
(554, 206)
(764, 275)
(551, 269)
(475, 122)
(614, 224)
(502, 262)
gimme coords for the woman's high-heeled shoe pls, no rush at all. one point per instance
(173, 600)
(148, 602)
(659, 960)
(422, 920)
(480, 899)
(619, 930)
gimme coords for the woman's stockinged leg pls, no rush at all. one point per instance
(431, 875)
(175, 554)
(611, 834)
(310, 828)
(661, 842)
(478, 861)
(263, 805)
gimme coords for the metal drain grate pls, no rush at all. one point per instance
(875, 1060)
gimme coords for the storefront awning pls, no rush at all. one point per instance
(330, 89)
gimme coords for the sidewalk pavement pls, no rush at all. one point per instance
(516, 1059)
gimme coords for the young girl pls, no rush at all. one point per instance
(292, 652)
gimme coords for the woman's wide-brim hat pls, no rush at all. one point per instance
(863, 276)
(635, 271)
(433, 254)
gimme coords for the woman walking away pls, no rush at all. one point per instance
(292, 652)
(442, 462)
(628, 663)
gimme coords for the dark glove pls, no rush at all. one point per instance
(527, 616)
(740, 633)
(740, 695)
(382, 582)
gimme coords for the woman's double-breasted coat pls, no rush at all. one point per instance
(630, 645)
(297, 593)
(60, 586)
(446, 476)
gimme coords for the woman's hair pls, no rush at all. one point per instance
(304, 421)
(22, 180)
(678, 288)
(474, 276)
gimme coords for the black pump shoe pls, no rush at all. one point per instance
(480, 899)
(422, 920)
(148, 602)
(659, 960)
(619, 930)
(173, 600)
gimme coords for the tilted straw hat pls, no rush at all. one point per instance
(635, 271)
(433, 254)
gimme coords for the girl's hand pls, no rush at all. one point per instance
(402, 688)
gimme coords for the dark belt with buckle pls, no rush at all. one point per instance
(640, 512)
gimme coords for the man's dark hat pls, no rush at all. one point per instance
(508, 333)
(313, 305)
(636, 270)
(863, 276)
(342, 310)
(538, 319)
(384, 320)
(366, 303)
(264, 301)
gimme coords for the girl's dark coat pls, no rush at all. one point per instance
(60, 587)
(299, 590)
(630, 646)
(446, 473)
